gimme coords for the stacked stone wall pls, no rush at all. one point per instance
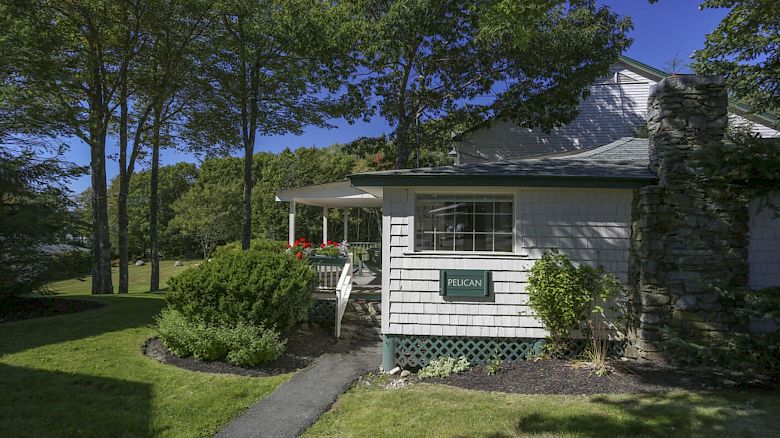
(689, 236)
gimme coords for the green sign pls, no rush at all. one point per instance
(464, 283)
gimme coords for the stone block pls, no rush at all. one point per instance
(686, 302)
(651, 299)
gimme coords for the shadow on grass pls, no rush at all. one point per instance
(120, 312)
(654, 415)
(48, 403)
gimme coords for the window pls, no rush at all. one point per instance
(463, 223)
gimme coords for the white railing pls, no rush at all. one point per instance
(343, 289)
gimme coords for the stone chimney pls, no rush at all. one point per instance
(684, 112)
(689, 236)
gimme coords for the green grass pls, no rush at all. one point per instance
(83, 374)
(442, 411)
(138, 278)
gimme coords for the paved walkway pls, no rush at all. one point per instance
(298, 403)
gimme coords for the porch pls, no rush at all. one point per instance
(355, 276)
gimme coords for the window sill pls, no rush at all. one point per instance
(469, 254)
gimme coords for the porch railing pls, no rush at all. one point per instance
(361, 252)
(335, 275)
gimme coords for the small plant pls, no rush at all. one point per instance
(443, 367)
(242, 344)
(494, 364)
(566, 298)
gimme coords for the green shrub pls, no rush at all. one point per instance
(254, 286)
(567, 297)
(443, 367)
(242, 344)
(68, 264)
(255, 244)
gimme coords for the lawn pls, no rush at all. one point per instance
(442, 411)
(83, 374)
(138, 278)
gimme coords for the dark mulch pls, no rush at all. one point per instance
(563, 377)
(305, 343)
(14, 308)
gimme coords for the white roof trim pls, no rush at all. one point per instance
(339, 194)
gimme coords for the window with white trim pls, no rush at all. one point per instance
(463, 223)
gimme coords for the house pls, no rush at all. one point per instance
(458, 241)
(616, 108)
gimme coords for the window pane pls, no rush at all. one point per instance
(463, 223)
(483, 242)
(444, 241)
(503, 223)
(503, 242)
(464, 242)
(504, 207)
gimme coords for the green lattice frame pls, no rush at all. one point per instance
(417, 351)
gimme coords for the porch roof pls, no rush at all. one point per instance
(340, 194)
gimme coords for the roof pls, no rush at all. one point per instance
(340, 194)
(620, 164)
(655, 74)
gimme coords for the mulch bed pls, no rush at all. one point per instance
(14, 308)
(305, 343)
(563, 377)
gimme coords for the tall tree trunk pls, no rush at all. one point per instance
(246, 235)
(154, 284)
(124, 182)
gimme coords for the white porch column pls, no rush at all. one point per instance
(346, 224)
(325, 225)
(291, 236)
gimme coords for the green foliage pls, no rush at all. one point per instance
(567, 297)
(739, 351)
(744, 163)
(241, 344)
(443, 367)
(210, 214)
(744, 49)
(34, 215)
(68, 264)
(255, 245)
(428, 59)
(253, 286)
(493, 365)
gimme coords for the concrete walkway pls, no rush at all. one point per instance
(298, 403)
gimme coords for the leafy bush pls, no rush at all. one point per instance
(254, 286)
(242, 344)
(68, 264)
(443, 367)
(255, 244)
(567, 297)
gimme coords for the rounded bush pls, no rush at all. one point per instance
(255, 244)
(255, 287)
(241, 344)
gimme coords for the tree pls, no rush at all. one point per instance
(272, 68)
(425, 60)
(745, 48)
(174, 181)
(177, 31)
(34, 213)
(67, 57)
(209, 213)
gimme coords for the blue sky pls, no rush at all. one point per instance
(662, 31)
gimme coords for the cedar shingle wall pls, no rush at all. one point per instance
(590, 226)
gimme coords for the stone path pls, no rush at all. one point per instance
(298, 403)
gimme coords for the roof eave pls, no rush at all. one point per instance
(369, 180)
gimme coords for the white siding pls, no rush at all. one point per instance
(764, 246)
(613, 110)
(589, 225)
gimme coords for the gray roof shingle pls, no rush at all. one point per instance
(622, 163)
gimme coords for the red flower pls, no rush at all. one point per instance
(299, 255)
(307, 245)
(289, 246)
(303, 239)
(322, 245)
